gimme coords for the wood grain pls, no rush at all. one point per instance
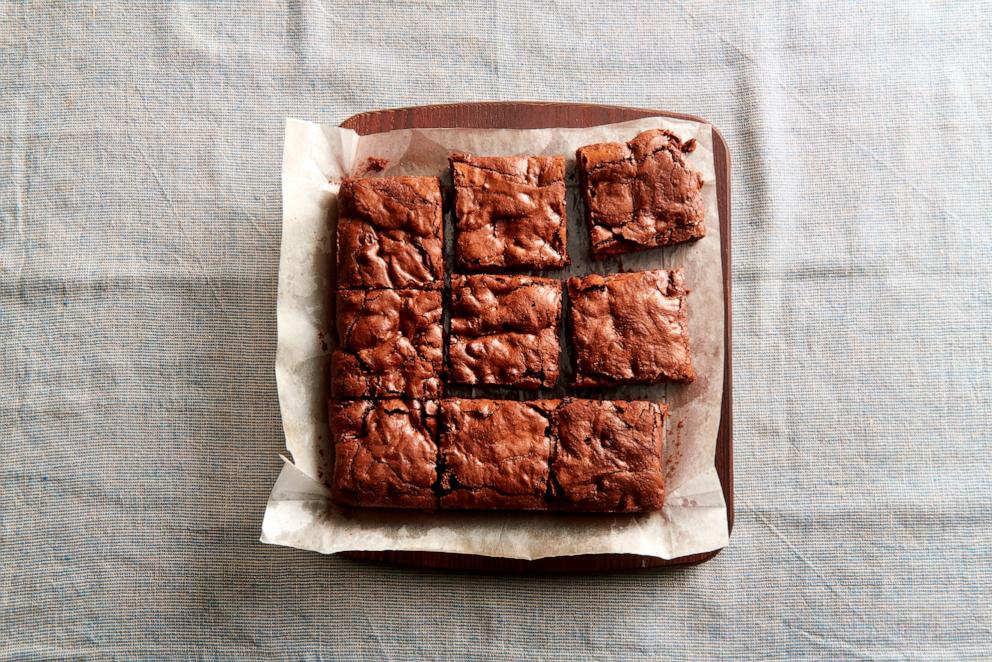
(538, 115)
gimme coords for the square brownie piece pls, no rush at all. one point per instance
(630, 328)
(607, 456)
(504, 330)
(390, 344)
(509, 212)
(640, 194)
(495, 454)
(390, 233)
(385, 453)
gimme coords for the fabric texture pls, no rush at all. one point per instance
(140, 151)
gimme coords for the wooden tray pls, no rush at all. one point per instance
(530, 115)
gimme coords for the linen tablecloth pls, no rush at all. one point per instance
(139, 232)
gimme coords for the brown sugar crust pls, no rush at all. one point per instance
(510, 212)
(389, 233)
(384, 453)
(640, 194)
(390, 344)
(504, 330)
(630, 328)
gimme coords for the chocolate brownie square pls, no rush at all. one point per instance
(389, 233)
(495, 454)
(510, 212)
(504, 330)
(390, 344)
(384, 453)
(630, 328)
(640, 194)
(607, 456)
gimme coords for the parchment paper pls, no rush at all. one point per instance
(300, 513)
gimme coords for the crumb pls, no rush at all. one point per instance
(374, 164)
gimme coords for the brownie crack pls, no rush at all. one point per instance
(512, 177)
(629, 160)
(417, 200)
(425, 258)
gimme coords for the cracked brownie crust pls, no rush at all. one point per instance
(495, 454)
(397, 444)
(510, 212)
(384, 453)
(640, 194)
(390, 344)
(571, 454)
(608, 456)
(389, 233)
(630, 328)
(504, 330)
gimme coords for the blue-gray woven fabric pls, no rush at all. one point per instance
(140, 151)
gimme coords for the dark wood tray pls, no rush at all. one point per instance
(531, 115)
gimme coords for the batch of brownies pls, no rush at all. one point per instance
(398, 443)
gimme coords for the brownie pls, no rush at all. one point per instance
(384, 453)
(630, 328)
(640, 194)
(608, 456)
(504, 330)
(389, 233)
(572, 454)
(510, 212)
(495, 453)
(389, 344)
